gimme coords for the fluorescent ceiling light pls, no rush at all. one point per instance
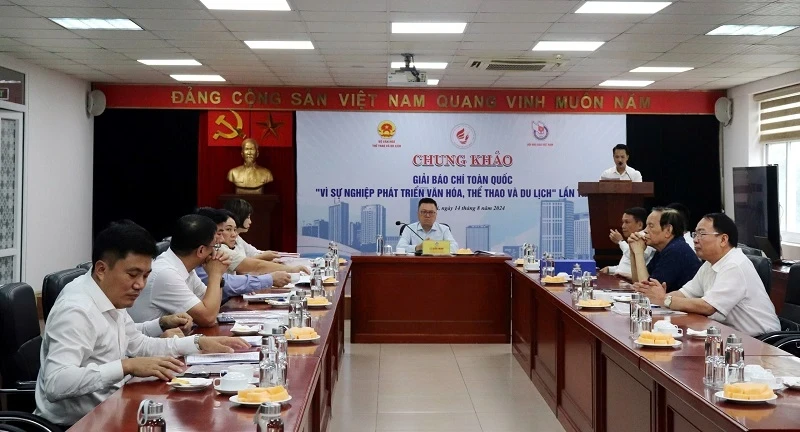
(618, 7)
(96, 23)
(167, 62)
(656, 69)
(749, 30)
(420, 65)
(427, 27)
(566, 46)
(625, 83)
(280, 44)
(260, 5)
(198, 78)
(433, 82)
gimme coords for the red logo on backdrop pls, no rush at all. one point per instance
(269, 128)
(462, 136)
(540, 131)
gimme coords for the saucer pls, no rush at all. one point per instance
(319, 305)
(302, 340)
(244, 333)
(230, 391)
(675, 345)
(235, 399)
(721, 395)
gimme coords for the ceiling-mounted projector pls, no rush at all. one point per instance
(408, 75)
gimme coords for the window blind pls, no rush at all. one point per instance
(779, 115)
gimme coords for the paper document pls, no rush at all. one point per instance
(261, 296)
(245, 357)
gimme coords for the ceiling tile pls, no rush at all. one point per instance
(643, 37)
(589, 28)
(16, 11)
(78, 3)
(131, 43)
(271, 16)
(43, 43)
(524, 28)
(614, 45)
(266, 28)
(109, 34)
(38, 34)
(690, 19)
(711, 8)
(166, 14)
(156, 4)
(701, 48)
(526, 6)
(766, 20)
(779, 9)
(434, 6)
(502, 17)
(344, 16)
(341, 5)
(217, 44)
(465, 17)
(181, 24)
(346, 27)
(351, 37)
(194, 35)
(696, 29)
(28, 23)
(498, 46)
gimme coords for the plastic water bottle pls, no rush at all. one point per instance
(379, 245)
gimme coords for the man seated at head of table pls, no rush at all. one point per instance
(174, 286)
(90, 344)
(674, 261)
(239, 262)
(726, 288)
(427, 228)
(236, 285)
(242, 210)
(632, 221)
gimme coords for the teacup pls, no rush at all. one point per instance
(562, 275)
(232, 381)
(667, 327)
(270, 324)
(244, 369)
(295, 277)
(400, 251)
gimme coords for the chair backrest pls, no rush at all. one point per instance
(19, 319)
(791, 304)
(86, 266)
(27, 422)
(162, 246)
(54, 283)
(764, 269)
(747, 250)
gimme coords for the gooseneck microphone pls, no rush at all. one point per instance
(399, 223)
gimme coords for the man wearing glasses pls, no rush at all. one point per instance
(427, 228)
(726, 288)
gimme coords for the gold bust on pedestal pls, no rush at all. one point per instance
(249, 178)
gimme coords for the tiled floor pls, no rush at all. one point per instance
(437, 388)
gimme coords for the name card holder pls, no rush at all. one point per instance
(436, 247)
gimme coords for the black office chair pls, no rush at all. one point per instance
(86, 266)
(54, 283)
(20, 341)
(750, 251)
(13, 421)
(764, 269)
(162, 246)
(790, 314)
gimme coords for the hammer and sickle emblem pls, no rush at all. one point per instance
(233, 132)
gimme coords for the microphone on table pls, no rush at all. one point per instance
(405, 225)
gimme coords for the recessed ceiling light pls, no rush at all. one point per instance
(428, 27)
(655, 69)
(96, 23)
(567, 46)
(166, 62)
(421, 65)
(262, 5)
(618, 7)
(198, 78)
(280, 44)
(625, 83)
(433, 82)
(749, 30)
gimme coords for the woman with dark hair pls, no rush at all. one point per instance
(242, 210)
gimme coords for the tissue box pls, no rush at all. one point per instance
(566, 265)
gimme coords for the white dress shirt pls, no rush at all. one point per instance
(689, 240)
(734, 289)
(624, 265)
(84, 343)
(249, 250)
(409, 240)
(170, 289)
(236, 256)
(629, 174)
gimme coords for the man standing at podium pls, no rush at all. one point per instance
(621, 170)
(427, 228)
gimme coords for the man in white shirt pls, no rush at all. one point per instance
(621, 170)
(242, 210)
(174, 286)
(427, 228)
(726, 288)
(90, 344)
(633, 220)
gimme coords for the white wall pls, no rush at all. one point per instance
(740, 138)
(57, 176)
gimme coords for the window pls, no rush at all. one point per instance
(787, 156)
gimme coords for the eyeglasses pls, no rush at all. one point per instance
(427, 212)
(701, 234)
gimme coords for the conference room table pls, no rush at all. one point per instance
(312, 375)
(595, 378)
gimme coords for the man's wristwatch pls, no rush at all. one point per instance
(197, 341)
(668, 301)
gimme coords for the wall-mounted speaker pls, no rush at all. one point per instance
(723, 110)
(95, 103)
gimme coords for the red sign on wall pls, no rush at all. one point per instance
(270, 129)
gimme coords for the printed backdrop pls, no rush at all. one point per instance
(500, 180)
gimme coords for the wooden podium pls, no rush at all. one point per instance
(608, 199)
(263, 205)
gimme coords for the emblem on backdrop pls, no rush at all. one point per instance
(386, 129)
(540, 131)
(462, 136)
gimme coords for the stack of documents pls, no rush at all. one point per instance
(245, 357)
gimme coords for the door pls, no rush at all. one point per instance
(10, 196)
